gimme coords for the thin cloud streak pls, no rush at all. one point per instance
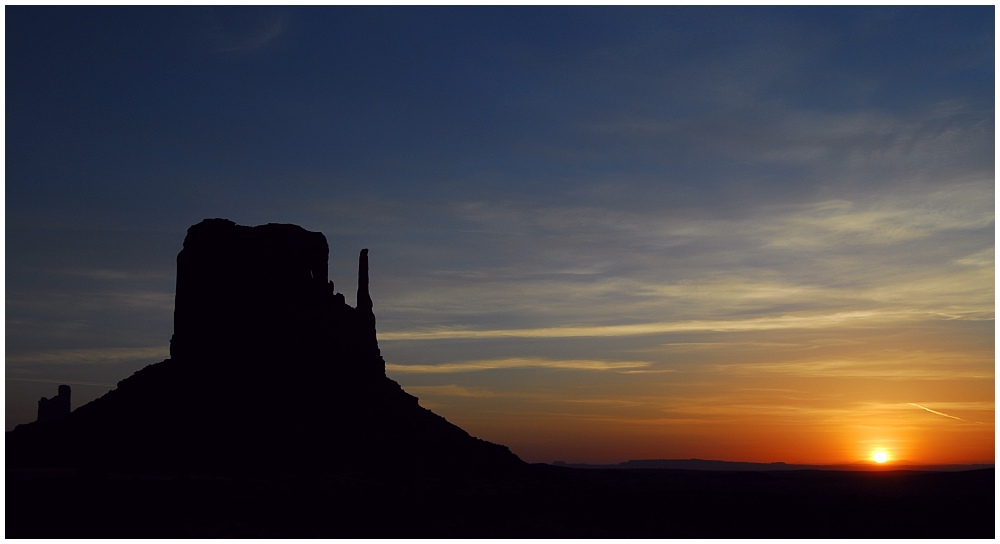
(516, 363)
(95, 355)
(61, 382)
(858, 318)
(942, 414)
(861, 367)
(450, 390)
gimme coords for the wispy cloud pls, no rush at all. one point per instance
(450, 390)
(94, 302)
(61, 382)
(92, 355)
(925, 252)
(833, 223)
(803, 321)
(119, 275)
(517, 363)
(943, 414)
(906, 368)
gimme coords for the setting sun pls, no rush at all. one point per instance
(880, 457)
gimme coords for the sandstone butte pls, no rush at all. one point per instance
(269, 370)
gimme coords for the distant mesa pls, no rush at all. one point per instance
(55, 408)
(269, 369)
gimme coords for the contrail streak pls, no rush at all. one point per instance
(945, 415)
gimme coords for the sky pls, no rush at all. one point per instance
(596, 233)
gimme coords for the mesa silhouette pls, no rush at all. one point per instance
(269, 369)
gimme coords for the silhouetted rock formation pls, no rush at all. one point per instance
(247, 290)
(368, 342)
(55, 408)
(270, 370)
(248, 296)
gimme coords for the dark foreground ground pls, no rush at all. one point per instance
(541, 502)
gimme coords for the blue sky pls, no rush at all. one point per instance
(596, 233)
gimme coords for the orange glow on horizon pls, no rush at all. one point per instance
(816, 397)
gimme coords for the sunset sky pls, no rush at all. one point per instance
(596, 234)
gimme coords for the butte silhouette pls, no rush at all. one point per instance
(269, 370)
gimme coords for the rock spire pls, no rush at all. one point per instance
(364, 298)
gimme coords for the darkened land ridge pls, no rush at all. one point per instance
(537, 502)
